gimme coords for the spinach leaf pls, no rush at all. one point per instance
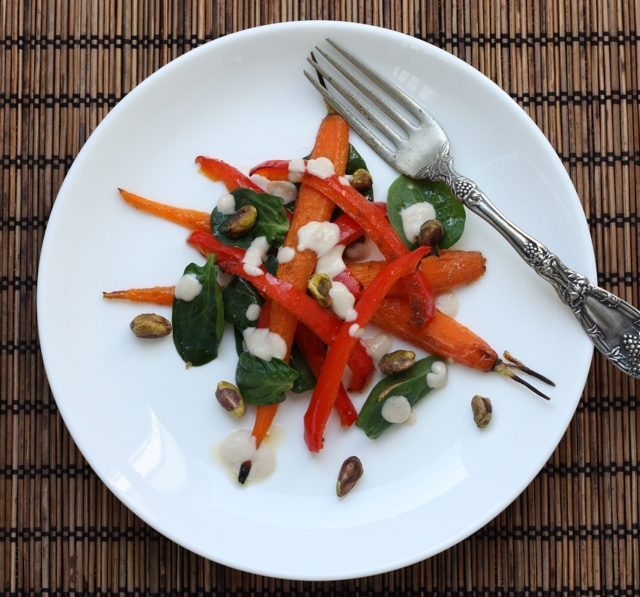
(263, 382)
(198, 324)
(271, 264)
(239, 338)
(271, 222)
(238, 295)
(405, 191)
(306, 380)
(412, 384)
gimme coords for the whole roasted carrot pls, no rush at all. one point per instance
(444, 336)
(332, 143)
(452, 268)
(189, 218)
(158, 295)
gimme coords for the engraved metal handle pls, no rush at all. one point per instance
(612, 324)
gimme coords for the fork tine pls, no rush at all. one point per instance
(377, 99)
(355, 123)
(402, 98)
(371, 116)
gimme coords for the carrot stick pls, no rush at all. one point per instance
(189, 218)
(159, 295)
(332, 142)
(443, 336)
(451, 269)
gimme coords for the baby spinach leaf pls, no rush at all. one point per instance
(263, 382)
(271, 222)
(238, 295)
(412, 384)
(198, 324)
(405, 192)
(306, 380)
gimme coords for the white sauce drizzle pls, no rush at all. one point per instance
(396, 409)
(343, 301)
(264, 344)
(255, 255)
(320, 237)
(437, 377)
(355, 331)
(414, 216)
(448, 303)
(378, 346)
(296, 170)
(321, 167)
(226, 204)
(253, 312)
(260, 181)
(187, 288)
(240, 446)
(331, 262)
(286, 254)
(287, 191)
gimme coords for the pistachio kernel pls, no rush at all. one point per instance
(350, 472)
(319, 285)
(241, 221)
(430, 234)
(361, 180)
(397, 361)
(150, 325)
(230, 399)
(481, 410)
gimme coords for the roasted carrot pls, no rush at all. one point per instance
(451, 269)
(189, 218)
(444, 336)
(159, 295)
(332, 142)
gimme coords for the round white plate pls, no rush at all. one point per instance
(149, 427)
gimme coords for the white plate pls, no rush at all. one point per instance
(148, 426)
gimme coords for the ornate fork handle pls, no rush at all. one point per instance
(612, 324)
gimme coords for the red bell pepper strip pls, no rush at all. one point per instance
(354, 286)
(206, 243)
(323, 323)
(315, 353)
(324, 395)
(233, 179)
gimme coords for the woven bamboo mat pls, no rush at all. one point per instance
(574, 66)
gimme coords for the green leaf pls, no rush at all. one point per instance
(412, 384)
(263, 382)
(238, 295)
(306, 380)
(271, 221)
(405, 191)
(271, 264)
(198, 325)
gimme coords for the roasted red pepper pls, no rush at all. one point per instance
(233, 179)
(324, 395)
(315, 353)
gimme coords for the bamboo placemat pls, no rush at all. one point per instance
(572, 65)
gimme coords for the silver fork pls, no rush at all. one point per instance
(612, 324)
